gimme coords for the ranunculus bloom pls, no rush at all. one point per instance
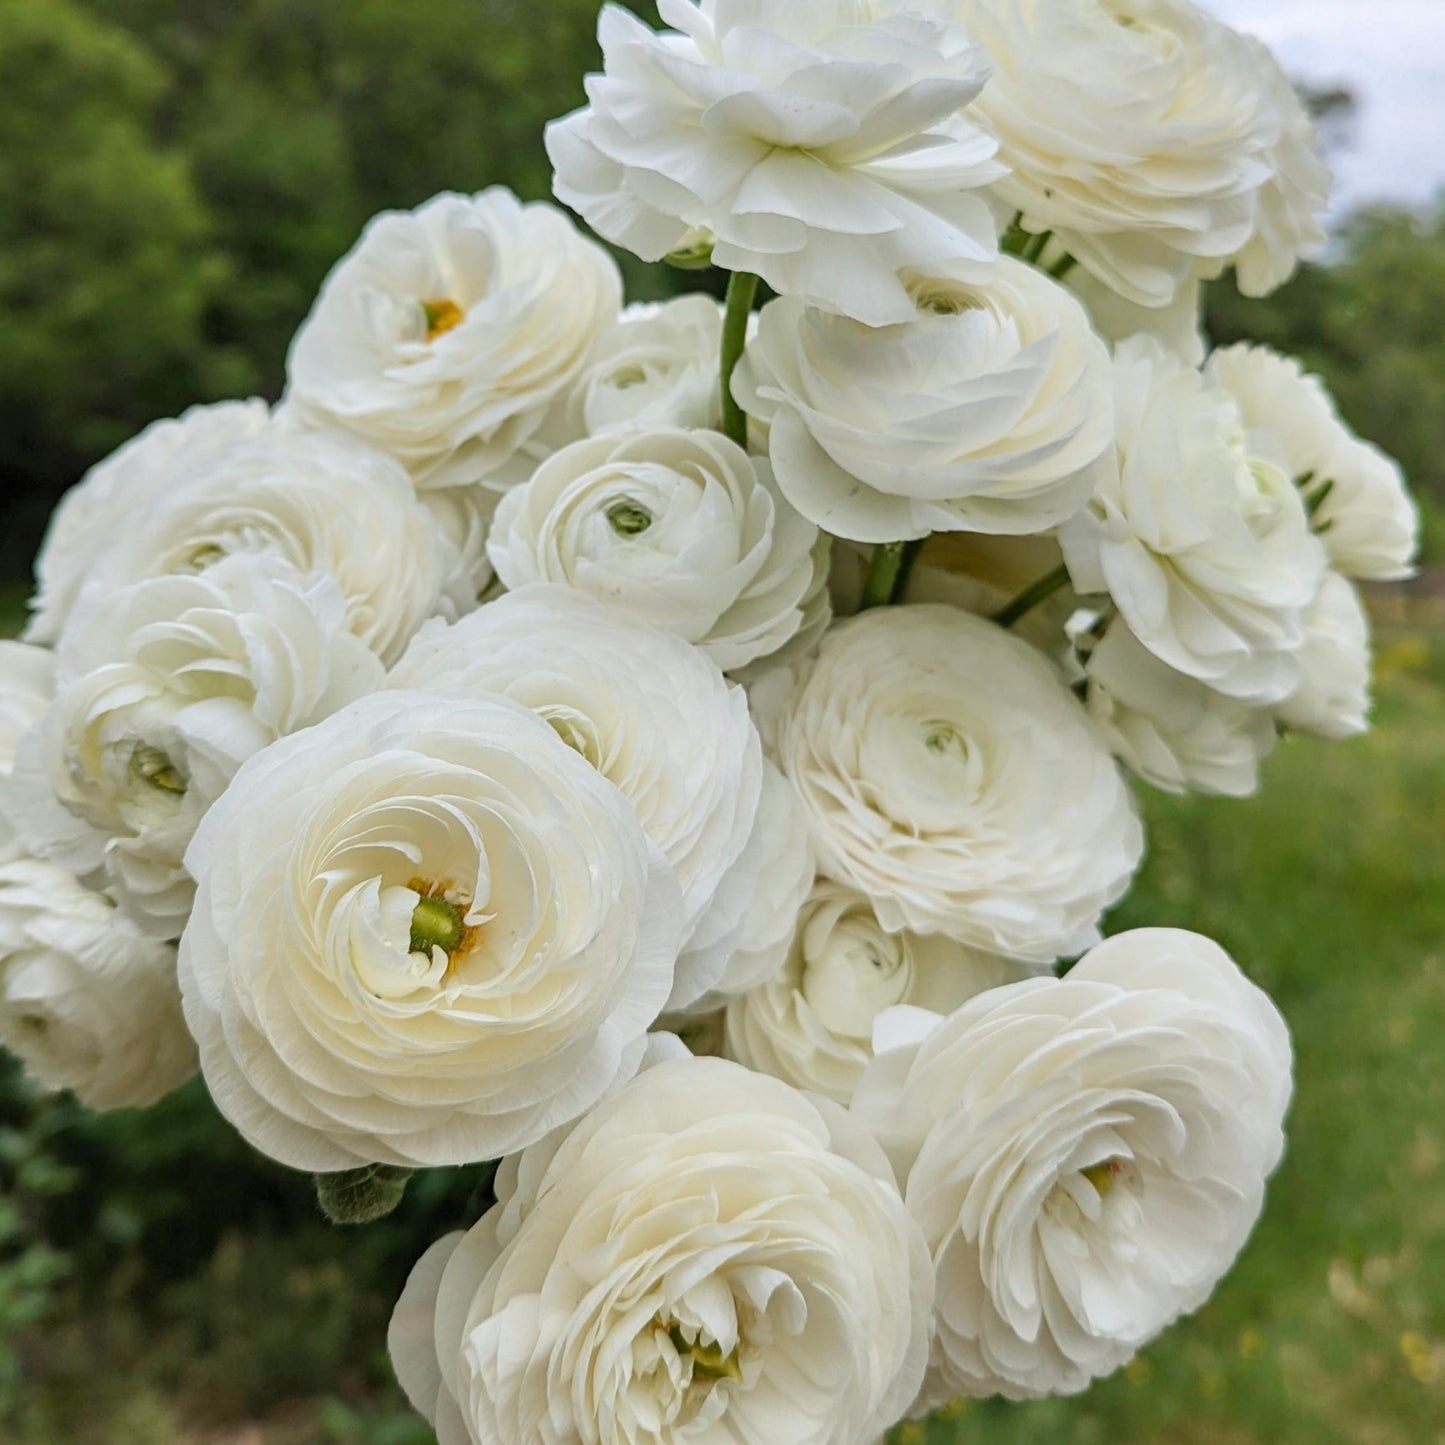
(1179, 326)
(950, 776)
(1333, 700)
(707, 1257)
(983, 412)
(760, 897)
(817, 143)
(321, 502)
(1156, 143)
(1202, 542)
(813, 1025)
(426, 932)
(1086, 1156)
(27, 686)
(1361, 509)
(648, 711)
(1170, 729)
(681, 527)
(657, 367)
(164, 459)
(446, 333)
(86, 1002)
(164, 691)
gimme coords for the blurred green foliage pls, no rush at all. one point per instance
(1372, 323)
(177, 176)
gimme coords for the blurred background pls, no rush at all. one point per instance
(176, 177)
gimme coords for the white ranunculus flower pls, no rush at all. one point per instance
(1287, 223)
(166, 458)
(681, 527)
(1173, 731)
(818, 144)
(993, 814)
(86, 1002)
(1361, 508)
(708, 1257)
(463, 515)
(1086, 1155)
(27, 687)
(426, 932)
(646, 709)
(1333, 701)
(1179, 326)
(445, 334)
(812, 1026)
(982, 412)
(657, 367)
(319, 501)
(165, 689)
(1153, 141)
(744, 938)
(1203, 542)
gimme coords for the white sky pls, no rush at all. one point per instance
(1391, 53)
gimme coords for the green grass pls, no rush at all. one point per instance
(1329, 888)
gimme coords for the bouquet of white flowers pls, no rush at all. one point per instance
(683, 753)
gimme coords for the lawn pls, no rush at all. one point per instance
(1329, 888)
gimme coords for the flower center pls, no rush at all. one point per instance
(1103, 1175)
(435, 923)
(709, 1363)
(942, 297)
(205, 556)
(578, 731)
(442, 315)
(155, 769)
(942, 737)
(856, 973)
(628, 518)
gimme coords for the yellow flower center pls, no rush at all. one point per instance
(441, 316)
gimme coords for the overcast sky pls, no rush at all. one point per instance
(1391, 54)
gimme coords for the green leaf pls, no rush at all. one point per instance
(357, 1196)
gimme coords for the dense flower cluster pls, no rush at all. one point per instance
(450, 759)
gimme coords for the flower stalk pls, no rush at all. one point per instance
(888, 573)
(742, 287)
(1031, 596)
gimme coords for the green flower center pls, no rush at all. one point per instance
(1103, 1174)
(628, 518)
(708, 1361)
(152, 766)
(436, 923)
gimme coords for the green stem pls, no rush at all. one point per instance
(888, 572)
(1062, 266)
(742, 287)
(1035, 247)
(1030, 597)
